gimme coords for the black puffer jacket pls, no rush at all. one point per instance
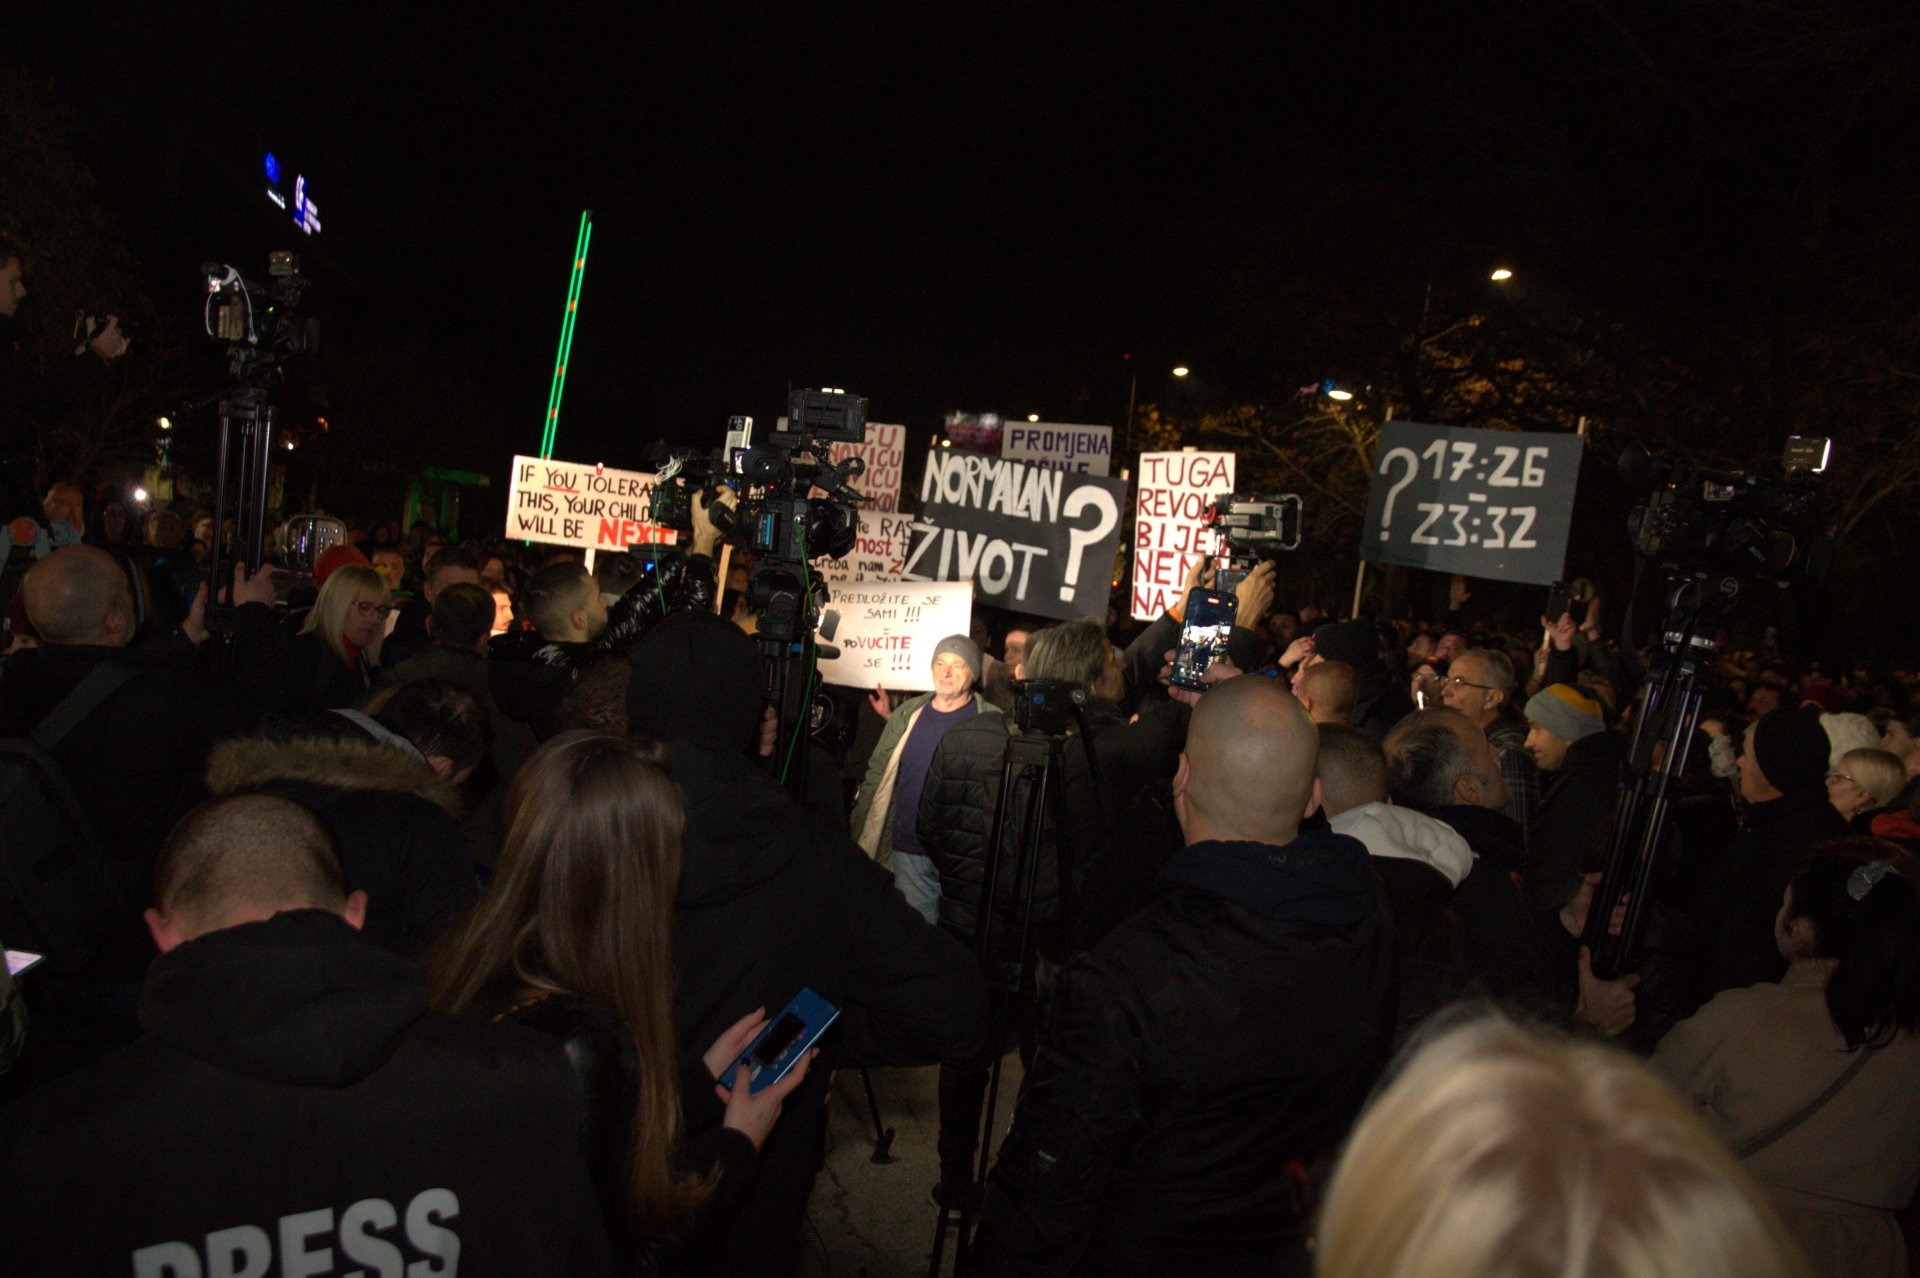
(956, 828)
(1199, 1060)
(1569, 831)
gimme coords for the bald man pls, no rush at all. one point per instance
(1231, 1027)
(1329, 690)
(136, 758)
(294, 1097)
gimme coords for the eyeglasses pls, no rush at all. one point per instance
(1455, 681)
(368, 608)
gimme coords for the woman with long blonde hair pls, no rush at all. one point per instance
(574, 938)
(336, 656)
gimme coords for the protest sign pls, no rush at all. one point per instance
(1087, 449)
(884, 633)
(879, 550)
(1169, 530)
(1487, 503)
(1029, 538)
(570, 504)
(884, 450)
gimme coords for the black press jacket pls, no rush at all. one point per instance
(294, 1095)
(1198, 1061)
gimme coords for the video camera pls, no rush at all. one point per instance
(1047, 706)
(255, 318)
(1253, 528)
(1699, 521)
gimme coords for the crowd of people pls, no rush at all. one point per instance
(410, 906)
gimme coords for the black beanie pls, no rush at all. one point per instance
(1355, 642)
(1792, 749)
(696, 676)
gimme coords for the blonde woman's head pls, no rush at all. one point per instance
(352, 609)
(1502, 1152)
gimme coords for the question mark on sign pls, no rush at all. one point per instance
(1079, 539)
(1413, 468)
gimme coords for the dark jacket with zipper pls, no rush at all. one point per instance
(1569, 830)
(1198, 1061)
(294, 1095)
(139, 761)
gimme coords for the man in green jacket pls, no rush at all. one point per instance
(886, 813)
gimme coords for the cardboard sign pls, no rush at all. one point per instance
(570, 504)
(1488, 503)
(1086, 449)
(975, 432)
(879, 553)
(1029, 538)
(880, 633)
(1168, 533)
(884, 450)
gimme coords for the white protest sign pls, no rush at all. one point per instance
(879, 551)
(884, 633)
(570, 504)
(1087, 449)
(884, 450)
(1168, 534)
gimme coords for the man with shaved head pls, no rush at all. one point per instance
(141, 722)
(1224, 1035)
(293, 1098)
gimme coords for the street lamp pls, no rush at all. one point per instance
(1501, 275)
(166, 423)
(1181, 370)
(1342, 395)
(1033, 417)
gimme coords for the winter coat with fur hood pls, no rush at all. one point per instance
(390, 814)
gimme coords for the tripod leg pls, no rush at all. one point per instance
(882, 1136)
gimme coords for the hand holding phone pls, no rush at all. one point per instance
(784, 1043)
(1203, 636)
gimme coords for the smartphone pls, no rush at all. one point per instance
(19, 961)
(1228, 579)
(785, 1041)
(1559, 600)
(1203, 636)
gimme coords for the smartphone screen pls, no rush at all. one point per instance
(19, 961)
(1203, 636)
(778, 1039)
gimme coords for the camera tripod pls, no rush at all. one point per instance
(1036, 762)
(1663, 734)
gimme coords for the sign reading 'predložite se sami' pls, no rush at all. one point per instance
(1488, 503)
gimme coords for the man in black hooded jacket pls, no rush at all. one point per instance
(1207, 1051)
(772, 900)
(294, 1107)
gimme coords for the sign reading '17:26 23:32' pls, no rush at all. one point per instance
(1487, 503)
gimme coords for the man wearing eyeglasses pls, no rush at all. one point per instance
(1479, 684)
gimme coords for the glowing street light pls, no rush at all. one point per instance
(1342, 395)
(140, 496)
(1501, 275)
(1181, 371)
(166, 423)
(1033, 417)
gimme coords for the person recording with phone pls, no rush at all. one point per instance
(30, 399)
(1246, 644)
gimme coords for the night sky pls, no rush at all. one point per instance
(941, 212)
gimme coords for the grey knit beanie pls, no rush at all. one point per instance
(962, 647)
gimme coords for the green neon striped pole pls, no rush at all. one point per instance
(552, 424)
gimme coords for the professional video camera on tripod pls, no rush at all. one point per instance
(1030, 817)
(1712, 533)
(785, 529)
(255, 319)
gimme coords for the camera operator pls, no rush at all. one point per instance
(530, 671)
(29, 399)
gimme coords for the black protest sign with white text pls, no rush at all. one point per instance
(1488, 503)
(1030, 538)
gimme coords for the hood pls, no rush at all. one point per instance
(697, 676)
(300, 998)
(1407, 835)
(1320, 877)
(742, 829)
(247, 763)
